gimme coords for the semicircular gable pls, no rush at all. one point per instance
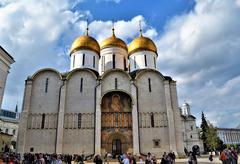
(46, 70)
(106, 73)
(143, 71)
(80, 70)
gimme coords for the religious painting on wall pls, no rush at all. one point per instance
(116, 102)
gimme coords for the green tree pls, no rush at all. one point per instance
(204, 127)
(212, 138)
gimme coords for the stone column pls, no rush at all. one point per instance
(24, 117)
(61, 110)
(98, 121)
(135, 121)
(177, 118)
(171, 126)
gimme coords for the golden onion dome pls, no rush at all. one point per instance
(85, 42)
(113, 41)
(140, 44)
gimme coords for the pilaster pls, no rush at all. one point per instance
(24, 117)
(60, 129)
(98, 121)
(171, 125)
(135, 120)
(177, 118)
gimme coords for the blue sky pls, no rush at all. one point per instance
(198, 44)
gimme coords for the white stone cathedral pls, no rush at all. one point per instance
(113, 99)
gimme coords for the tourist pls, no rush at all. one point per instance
(194, 158)
(41, 159)
(97, 159)
(223, 157)
(190, 158)
(149, 158)
(234, 155)
(59, 159)
(126, 159)
(165, 159)
(210, 157)
(141, 160)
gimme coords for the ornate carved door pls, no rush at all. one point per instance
(116, 147)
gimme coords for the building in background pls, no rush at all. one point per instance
(229, 136)
(9, 121)
(5, 61)
(191, 133)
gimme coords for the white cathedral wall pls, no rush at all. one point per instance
(106, 60)
(123, 81)
(152, 102)
(137, 60)
(79, 138)
(177, 118)
(77, 100)
(3, 74)
(43, 140)
(41, 101)
(89, 62)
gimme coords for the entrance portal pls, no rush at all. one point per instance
(116, 147)
(116, 122)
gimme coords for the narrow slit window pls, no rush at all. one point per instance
(134, 60)
(154, 62)
(83, 60)
(43, 121)
(103, 63)
(113, 61)
(81, 85)
(79, 120)
(46, 85)
(74, 60)
(145, 60)
(125, 64)
(152, 119)
(149, 85)
(116, 83)
(93, 61)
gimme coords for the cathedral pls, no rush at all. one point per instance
(113, 99)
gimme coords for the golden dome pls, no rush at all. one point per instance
(141, 43)
(85, 42)
(113, 41)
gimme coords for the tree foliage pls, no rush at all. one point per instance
(212, 138)
(204, 127)
(209, 136)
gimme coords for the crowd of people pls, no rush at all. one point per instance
(39, 158)
(229, 156)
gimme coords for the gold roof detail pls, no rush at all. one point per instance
(113, 41)
(140, 44)
(85, 42)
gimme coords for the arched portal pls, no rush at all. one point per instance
(116, 122)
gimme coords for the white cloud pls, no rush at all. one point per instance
(34, 32)
(200, 50)
(39, 34)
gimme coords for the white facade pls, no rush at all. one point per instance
(5, 61)
(113, 58)
(111, 110)
(84, 59)
(228, 135)
(142, 60)
(191, 133)
(9, 129)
